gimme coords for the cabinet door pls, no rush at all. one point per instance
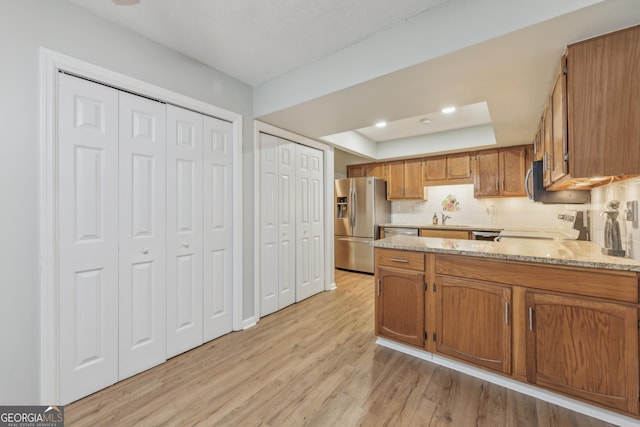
(486, 174)
(400, 305)
(458, 166)
(413, 185)
(547, 145)
(435, 169)
(445, 234)
(512, 172)
(355, 171)
(603, 88)
(473, 322)
(558, 152)
(378, 170)
(395, 180)
(586, 348)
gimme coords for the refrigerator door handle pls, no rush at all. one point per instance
(352, 213)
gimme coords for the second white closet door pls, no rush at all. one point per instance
(184, 230)
(142, 196)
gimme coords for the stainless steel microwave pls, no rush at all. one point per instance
(534, 186)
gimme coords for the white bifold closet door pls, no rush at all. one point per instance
(277, 223)
(309, 222)
(184, 230)
(87, 218)
(142, 206)
(218, 228)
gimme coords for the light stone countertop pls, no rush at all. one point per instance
(560, 252)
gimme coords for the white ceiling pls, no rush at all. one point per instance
(257, 40)
(281, 47)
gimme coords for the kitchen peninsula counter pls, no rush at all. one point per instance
(545, 314)
(570, 252)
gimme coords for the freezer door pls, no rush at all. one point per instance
(353, 253)
(342, 213)
(363, 202)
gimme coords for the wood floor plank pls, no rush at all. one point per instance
(312, 364)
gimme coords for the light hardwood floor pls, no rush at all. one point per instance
(312, 364)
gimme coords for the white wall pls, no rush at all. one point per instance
(25, 26)
(622, 191)
(500, 212)
(342, 159)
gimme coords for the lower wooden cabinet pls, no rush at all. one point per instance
(571, 330)
(445, 234)
(400, 305)
(473, 322)
(584, 347)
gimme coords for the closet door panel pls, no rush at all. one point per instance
(309, 222)
(269, 277)
(142, 230)
(184, 230)
(87, 236)
(218, 228)
(286, 223)
(316, 217)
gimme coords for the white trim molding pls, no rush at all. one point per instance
(529, 390)
(51, 63)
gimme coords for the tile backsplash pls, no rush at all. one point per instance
(623, 191)
(502, 212)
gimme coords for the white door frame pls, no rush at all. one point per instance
(329, 274)
(51, 63)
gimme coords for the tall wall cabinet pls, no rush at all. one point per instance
(144, 230)
(291, 220)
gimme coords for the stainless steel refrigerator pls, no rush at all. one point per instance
(361, 205)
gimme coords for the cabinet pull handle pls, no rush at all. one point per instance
(378, 287)
(497, 184)
(398, 260)
(531, 319)
(503, 185)
(506, 312)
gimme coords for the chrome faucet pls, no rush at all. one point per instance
(444, 218)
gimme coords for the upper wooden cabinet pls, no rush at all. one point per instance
(379, 170)
(592, 123)
(404, 180)
(451, 169)
(500, 173)
(355, 171)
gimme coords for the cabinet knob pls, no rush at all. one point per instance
(144, 251)
(185, 244)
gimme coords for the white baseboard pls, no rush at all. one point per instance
(529, 390)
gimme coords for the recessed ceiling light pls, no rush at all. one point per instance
(425, 121)
(381, 124)
(448, 110)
